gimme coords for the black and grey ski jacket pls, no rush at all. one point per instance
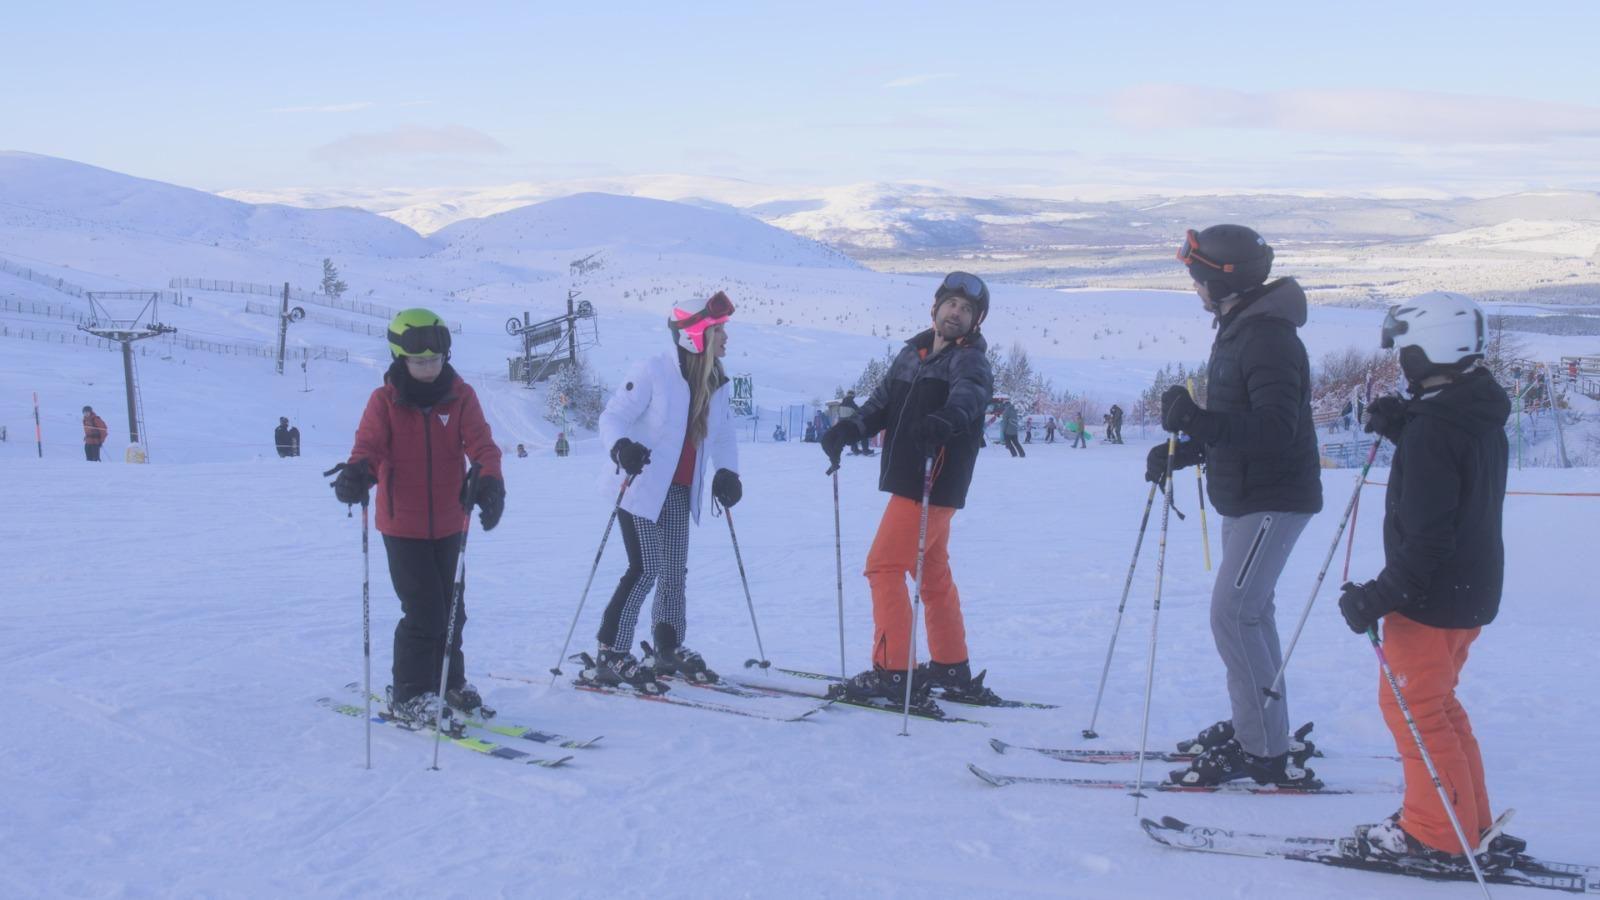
(957, 382)
(1444, 560)
(1259, 391)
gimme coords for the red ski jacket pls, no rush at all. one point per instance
(417, 459)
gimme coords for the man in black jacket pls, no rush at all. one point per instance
(1260, 448)
(286, 437)
(1444, 562)
(930, 406)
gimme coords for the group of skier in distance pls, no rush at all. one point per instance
(670, 436)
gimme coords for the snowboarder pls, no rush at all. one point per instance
(932, 404)
(1008, 429)
(286, 437)
(676, 405)
(1444, 562)
(1259, 444)
(1050, 430)
(95, 433)
(563, 447)
(413, 438)
(522, 451)
(1081, 439)
(1114, 436)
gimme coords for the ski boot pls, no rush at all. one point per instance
(1211, 736)
(1215, 765)
(955, 682)
(1388, 842)
(466, 703)
(421, 712)
(1282, 771)
(887, 688)
(668, 657)
(615, 668)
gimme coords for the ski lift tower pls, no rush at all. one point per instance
(125, 331)
(552, 342)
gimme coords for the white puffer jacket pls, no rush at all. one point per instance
(652, 408)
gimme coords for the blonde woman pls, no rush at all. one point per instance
(670, 415)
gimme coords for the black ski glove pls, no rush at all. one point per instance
(726, 488)
(1190, 452)
(933, 431)
(490, 499)
(1363, 605)
(1386, 417)
(835, 439)
(1179, 412)
(630, 456)
(353, 481)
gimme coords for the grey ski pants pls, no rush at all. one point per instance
(1255, 548)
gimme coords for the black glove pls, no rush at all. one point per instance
(630, 456)
(1386, 417)
(726, 488)
(933, 431)
(1189, 453)
(1363, 605)
(1179, 412)
(490, 498)
(835, 439)
(353, 480)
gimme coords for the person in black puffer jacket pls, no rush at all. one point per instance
(1444, 561)
(1257, 440)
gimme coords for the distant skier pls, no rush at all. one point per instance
(932, 404)
(1027, 430)
(671, 414)
(286, 437)
(416, 435)
(95, 433)
(1008, 429)
(1444, 564)
(563, 448)
(1260, 447)
(1114, 434)
(1081, 439)
(1050, 430)
(522, 451)
(848, 408)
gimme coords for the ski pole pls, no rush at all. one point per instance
(1349, 510)
(1200, 486)
(555, 670)
(366, 626)
(1127, 585)
(1427, 759)
(38, 433)
(468, 491)
(1155, 620)
(838, 565)
(916, 604)
(761, 660)
(1350, 542)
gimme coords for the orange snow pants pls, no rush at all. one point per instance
(893, 559)
(1427, 664)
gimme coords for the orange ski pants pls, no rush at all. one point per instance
(892, 560)
(1427, 664)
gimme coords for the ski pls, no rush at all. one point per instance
(933, 714)
(1101, 756)
(818, 676)
(487, 748)
(1232, 787)
(507, 730)
(1525, 871)
(675, 700)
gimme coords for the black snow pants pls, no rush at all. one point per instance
(424, 573)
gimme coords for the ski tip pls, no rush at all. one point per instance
(998, 745)
(988, 777)
(1090, 734)
(751, 663)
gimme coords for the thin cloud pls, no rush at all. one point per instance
(1426, 116)
(408, 140)
(326, 108)
(915, 80)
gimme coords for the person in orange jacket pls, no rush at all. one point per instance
(415, 437)
(95, 433)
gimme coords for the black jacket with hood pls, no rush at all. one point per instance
(1258, 394)
(1444, 561)
(957, 382)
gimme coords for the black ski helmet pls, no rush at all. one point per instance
(965, 284)
(1232, 256)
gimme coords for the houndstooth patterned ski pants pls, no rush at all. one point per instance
(658, 556)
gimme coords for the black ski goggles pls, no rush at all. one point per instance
(969, 286)
(1189, 254)
(420, 339)
(1393, 326)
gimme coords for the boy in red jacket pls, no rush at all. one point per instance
(411, 442)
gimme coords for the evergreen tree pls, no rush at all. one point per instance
(331, 284)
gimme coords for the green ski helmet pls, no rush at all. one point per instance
(418, 332)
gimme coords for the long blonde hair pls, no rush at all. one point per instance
(703, 371)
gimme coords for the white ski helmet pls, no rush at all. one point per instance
(1436, 333)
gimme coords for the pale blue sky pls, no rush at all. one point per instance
(1457, 96)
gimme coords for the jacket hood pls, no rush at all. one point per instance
(1474, 402)
(1281, 299)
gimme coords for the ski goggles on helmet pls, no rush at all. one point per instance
(1189, 254)
(967, 285)
(420, 340)
(1393, 327)
(690, 328)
